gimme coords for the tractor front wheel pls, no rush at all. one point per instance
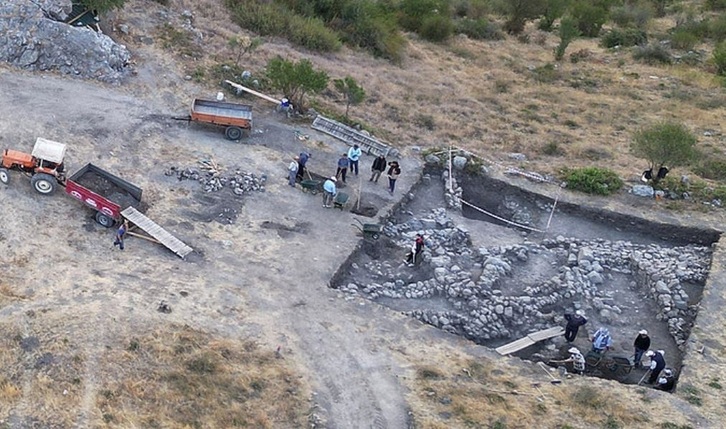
(43, 183)
(4, 176)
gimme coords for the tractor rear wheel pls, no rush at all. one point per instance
(233, 133)
(4, 176)
(104, 220)
(43, 183)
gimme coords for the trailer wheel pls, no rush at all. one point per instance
(233, 133)
(43, 183)
(4, 176)
(104, 220)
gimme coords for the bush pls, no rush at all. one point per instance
(370, 27)
(682, 39)
(415, 12)
(480, 29)
(311, 33)
(436, 28)
(719, 58)
(653, 54)
(633, 14)
(717, 28)
(590, 17)
(598, 181)
(711, 168)
(568, 32)
(716, 4)
(623, 38)
(547, 73)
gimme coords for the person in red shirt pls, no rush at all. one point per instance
(416, 250)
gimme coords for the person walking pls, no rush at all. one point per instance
(416, 250)
(574, 321)
(577, 359)
(354, 154)
(342, 167)
(641, 345)
(378, 167)
(394, 171)
(121, 234)
(601, 341)
(329, 192)
(657, 363)
(301, 163)
(292, 171)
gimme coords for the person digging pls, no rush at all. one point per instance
(657, 363)
(577, 359)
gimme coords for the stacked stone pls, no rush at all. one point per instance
(240, 182)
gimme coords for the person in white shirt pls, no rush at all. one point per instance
(354, 154)
(292, 171)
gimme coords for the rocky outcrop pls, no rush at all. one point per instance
(33, 38)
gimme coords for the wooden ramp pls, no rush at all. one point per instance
(351, 136)
(529, 340)
(160, 234)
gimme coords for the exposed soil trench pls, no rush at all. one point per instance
(494, 284)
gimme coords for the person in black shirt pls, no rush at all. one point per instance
(574, 321)
(641, 345)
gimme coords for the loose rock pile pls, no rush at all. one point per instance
(469, 291)
(31, 37)
(212, 181)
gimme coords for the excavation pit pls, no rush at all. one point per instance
(494, 284)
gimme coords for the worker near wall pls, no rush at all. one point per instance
(343, 164)
(657, 363)
(640, 345)
(354, 154)
(577, 359)
(378, 167)
(302, 161)
(574, 321)
(416, 250)
(329, 192)
(666, 381)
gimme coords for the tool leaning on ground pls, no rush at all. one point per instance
(643, 377)
(554, 379)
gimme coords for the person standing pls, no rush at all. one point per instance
(416, 250)
(601, 341)
(301, 163)
(329, 192)
(393, 172)
(292, 171)
(641, 345)
(121, 234)
(657, 363)
(378, 167)
(574, 321)
(342, 167)
(354, 154)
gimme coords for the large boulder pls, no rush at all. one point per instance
(32, 38)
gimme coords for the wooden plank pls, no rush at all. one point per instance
(515, 346)
(157, 232)
(547, 333)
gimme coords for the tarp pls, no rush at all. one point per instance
(48, 150)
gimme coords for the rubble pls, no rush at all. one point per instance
(212, 180)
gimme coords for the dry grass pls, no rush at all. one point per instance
(182, 378)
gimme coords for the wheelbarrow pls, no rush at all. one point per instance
(313, 186)
(372, 230)
(341, 199)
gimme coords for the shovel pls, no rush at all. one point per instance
(643, 377)
(554, 380)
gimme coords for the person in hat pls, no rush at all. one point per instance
(577, 359)
(601, 341)
(354, 154)
(292, 171)
(329, 192)
(574, 321)
(657, 363)
(302, 161)
(641, 345)
(666, 381)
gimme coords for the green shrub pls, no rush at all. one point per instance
(590, 16)
(716, 4)
(717, 28)
(681, 39)
(547, 73)
(480, 29)
(624, 38)
(653, 54)
(710, 167)
(413, 13)
(719, 58)
(369, 26)
(568, 32)
(599, 181)
(264, 19)
(553, 10)
(633, 14)
(436, 28)
(311, 33)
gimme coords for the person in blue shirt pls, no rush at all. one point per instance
(329, 192)
(121, 234)
(302, 160)
(601, 341)
(343, 163)
(354, 154)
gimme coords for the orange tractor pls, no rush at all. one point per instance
(44, 165)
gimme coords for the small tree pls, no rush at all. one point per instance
(519, 12)
(352, 92)
(242, 47)
(568, 32)
(590, 16)
(665, 144)
(296, 80)
(553, 10)
(103, 6)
